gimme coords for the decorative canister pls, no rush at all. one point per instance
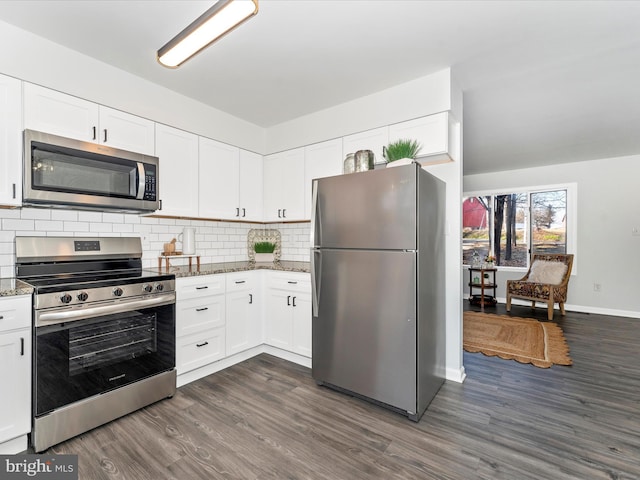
(349, 165)
(364, 160)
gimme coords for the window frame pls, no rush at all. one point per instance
(572, 217)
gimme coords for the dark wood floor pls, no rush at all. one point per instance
(267, 419)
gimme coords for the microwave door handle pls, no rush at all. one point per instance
(141, 179)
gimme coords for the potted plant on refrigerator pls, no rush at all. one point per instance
(401, 152)
(264, 251)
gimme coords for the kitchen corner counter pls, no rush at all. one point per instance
(229, 267)
(10, 287)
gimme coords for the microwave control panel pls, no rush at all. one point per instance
(150, 182)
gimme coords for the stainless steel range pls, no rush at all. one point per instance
(104, 332)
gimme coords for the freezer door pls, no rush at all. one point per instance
(364, 333)
(367, 210)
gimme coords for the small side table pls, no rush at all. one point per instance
(168, 257)
(485, 280)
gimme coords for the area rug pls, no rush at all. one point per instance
(525, 340)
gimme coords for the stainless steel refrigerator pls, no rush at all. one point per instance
(378, 278)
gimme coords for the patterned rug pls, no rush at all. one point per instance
(525, 340)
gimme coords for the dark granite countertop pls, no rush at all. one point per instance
(10, 287)
(228, 267)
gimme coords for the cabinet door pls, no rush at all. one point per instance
(10, 141)
(243, 321)
(218, 180)
(373, 140)
(301, 306)
(279, 319)
(251, 186)
(128, 132)
(15, 376)
(284, 186)
(53, 112)
(432, 132)
(320, 160)
(178, 154)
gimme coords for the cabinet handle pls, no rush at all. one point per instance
(283, 213)
(294, 301)
(95, 133)
(202, 309)
(288, 300)
(201, 344)
(1, 317)
(105, 135)
(244, 212)
(239, 281)
(160, 205)
(292, 283)
(237, 212)
(21, 346)
(279, 216)
(202, 288)
(250, 298)
(14, 190)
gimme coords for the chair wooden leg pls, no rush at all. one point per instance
(550, 311)
(533, 304)
(508, 302)
(561, 309)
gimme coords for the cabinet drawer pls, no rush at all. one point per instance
(199, 286)
(15, 313)
(300, 282)
(200, 349)
(239, 281)
(198, 314)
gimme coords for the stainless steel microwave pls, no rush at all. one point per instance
(66, 173)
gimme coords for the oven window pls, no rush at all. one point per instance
(118, 338)
(80, 359)
(68, 173)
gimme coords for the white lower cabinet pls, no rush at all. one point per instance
(244, 322)
(288, 312)
(200, 321)
(15, 373)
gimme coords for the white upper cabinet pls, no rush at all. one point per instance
(10, 141)
(373, 140)
(434, 134)
(127, 132)
(219, 180)
(54, 112)
(230, 182)
(251, 186)
(284, 186)
(177, 151)
(320, 160)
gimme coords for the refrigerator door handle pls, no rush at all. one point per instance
(316, 275)
(314, 212)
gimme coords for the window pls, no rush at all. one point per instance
(512, 225)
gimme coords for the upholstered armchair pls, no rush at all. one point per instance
(546, 281)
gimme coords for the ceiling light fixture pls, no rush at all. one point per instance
(213, 24)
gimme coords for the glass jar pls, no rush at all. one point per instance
(349, 165)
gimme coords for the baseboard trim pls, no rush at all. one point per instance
(455, 374)
(574, 308)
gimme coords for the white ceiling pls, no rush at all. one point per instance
(544, 82)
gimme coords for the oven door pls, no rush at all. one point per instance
(79, 359)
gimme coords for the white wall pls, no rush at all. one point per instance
(36, 60)
(607, 251)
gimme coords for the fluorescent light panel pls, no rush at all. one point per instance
(213, 24)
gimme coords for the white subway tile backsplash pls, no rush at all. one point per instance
(215, 241)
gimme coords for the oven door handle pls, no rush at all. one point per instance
(43, 318)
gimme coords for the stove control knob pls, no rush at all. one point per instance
(159, 287)
(147, 288)
(66, 298)
(117, 292)
(82, 296)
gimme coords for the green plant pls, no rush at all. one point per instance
(264, 247)
(403, 148)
